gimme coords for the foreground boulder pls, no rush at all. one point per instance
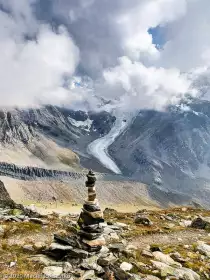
(179, 273)
(143, 220)
(204, 248)
(159, 256)
(201, 223)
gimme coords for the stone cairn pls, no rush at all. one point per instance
(90, 218)
(89, 238)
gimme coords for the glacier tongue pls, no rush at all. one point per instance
(99, 147)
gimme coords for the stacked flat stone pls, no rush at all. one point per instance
(91, 216)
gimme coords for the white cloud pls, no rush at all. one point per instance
(32, 71)
(118, 52)
(110, 44)
(138, 86)
(134, 24)
(189, 44)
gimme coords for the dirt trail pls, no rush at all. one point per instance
(186, 237)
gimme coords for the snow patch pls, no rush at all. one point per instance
(85, 125)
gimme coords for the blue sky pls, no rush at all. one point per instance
(158, 36)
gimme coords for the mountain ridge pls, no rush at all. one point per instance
(168, 150)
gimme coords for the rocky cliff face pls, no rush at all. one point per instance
(169, 149)
(49, 134)
(67, 125)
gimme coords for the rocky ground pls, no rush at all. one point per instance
(165, 244)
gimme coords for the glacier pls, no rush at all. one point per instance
(99, 147)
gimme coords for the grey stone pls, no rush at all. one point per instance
(186, 273)
(113, 237)
(185, 223)
(165, 259)
(130, 251)
(89, 235)
(91, 207)
(105, 261)
(180, 273)
(117, 247)
(91, 264)
(95, 228)
(42, 259)
(119, 273)
(59, 251)
(67, 267)
(143, 220)
(78, 253)
(108, 230)
(52, 271)
(55, 246)
(126, 266)
(146, 253)
(103, 252)
(177, 257)
(203, 248)
(165, 269)
(28, 247)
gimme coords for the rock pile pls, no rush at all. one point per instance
(85, 252)
(90, 218)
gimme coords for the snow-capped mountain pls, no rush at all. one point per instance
(169, 150)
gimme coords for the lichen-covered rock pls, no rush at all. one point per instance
(180, 273)
(186, 273)
(203, 248)
(91, 264)
(159, 256)
(164, 269)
